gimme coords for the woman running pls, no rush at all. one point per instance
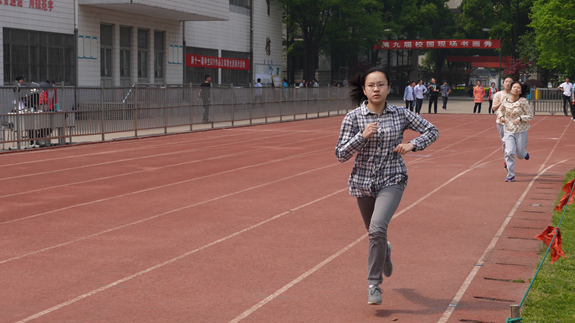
(374, 133)
(516, 113)
(497, 100)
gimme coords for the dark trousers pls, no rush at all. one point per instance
(566, 103)
(477, 107)
(490, 111)
(573, 111)
(409, 105)
(432, 99)
(445, 102)
(418, 104)
(206, 116)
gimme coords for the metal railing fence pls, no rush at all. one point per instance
(29, 119)
(548, 100)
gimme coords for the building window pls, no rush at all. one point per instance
(159, 54)
(125, 46)
(195, 75)
(38, 56)
(106, 51)
(142, 53)
(235, 77)
(240, 3)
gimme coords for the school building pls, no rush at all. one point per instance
(117, 43)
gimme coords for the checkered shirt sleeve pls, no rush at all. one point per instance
(376, 164)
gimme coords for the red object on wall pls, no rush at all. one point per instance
(439, 43)
(217, 62)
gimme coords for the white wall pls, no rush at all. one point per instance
(89, 20)
(234, 35)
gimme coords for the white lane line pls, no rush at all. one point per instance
(179, 152)
(457, 298)
(295, 281)
(155, 168)
(143, 147)
(103, 288)
(163, 186)
(332, 257)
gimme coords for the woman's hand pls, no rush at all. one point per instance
(502, 119)
(369, 130)
(516, 121)
(404, 148)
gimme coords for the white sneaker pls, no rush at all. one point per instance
(374, 295)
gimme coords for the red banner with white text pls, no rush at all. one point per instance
(439, 43)
(217, 62)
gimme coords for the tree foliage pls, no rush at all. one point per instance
(321, 23)
(554, 24)
(507, 20)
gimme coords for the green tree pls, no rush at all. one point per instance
(507, 19)
(321, 23)
(554, 24)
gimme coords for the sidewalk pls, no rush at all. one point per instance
(455, 105)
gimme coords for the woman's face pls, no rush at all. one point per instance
(516, 89)
(492, 84)
(478, 83)
(507, 83)
(376, 88)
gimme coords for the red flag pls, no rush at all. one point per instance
(547, 236)
(567, 190)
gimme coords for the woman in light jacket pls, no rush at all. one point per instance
(516, 113)
(478, 93)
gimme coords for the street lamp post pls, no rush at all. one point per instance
(499, 80)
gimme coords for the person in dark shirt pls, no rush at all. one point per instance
(433, 90)
(205, 94)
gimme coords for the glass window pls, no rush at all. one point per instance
(125, 46)
(106, 35)
(240, 3)
(38, 56)
(142, 39)
(142, 53)
(106, 44)
(126, 37)
(159, 54)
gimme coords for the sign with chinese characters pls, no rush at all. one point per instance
(217, 62)
(439, 43)
(46, 5)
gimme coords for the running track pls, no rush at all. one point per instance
(255, 224)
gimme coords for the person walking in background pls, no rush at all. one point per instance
(345, 83)
(433, 89)
(374, 133)
(516, 113)
(492, 92)
(409, 95)
(302, 84)
(206, 95)
(567, 89)
(419, 91)
(498, 99)
(478, 94)
(445, 91)
(258, 92)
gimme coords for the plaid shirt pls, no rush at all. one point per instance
(376, 165)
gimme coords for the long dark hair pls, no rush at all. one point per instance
(525, 89)
(356, 93)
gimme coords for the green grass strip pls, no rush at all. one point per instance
(552, 295)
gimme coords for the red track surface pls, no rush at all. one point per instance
(255, 224)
